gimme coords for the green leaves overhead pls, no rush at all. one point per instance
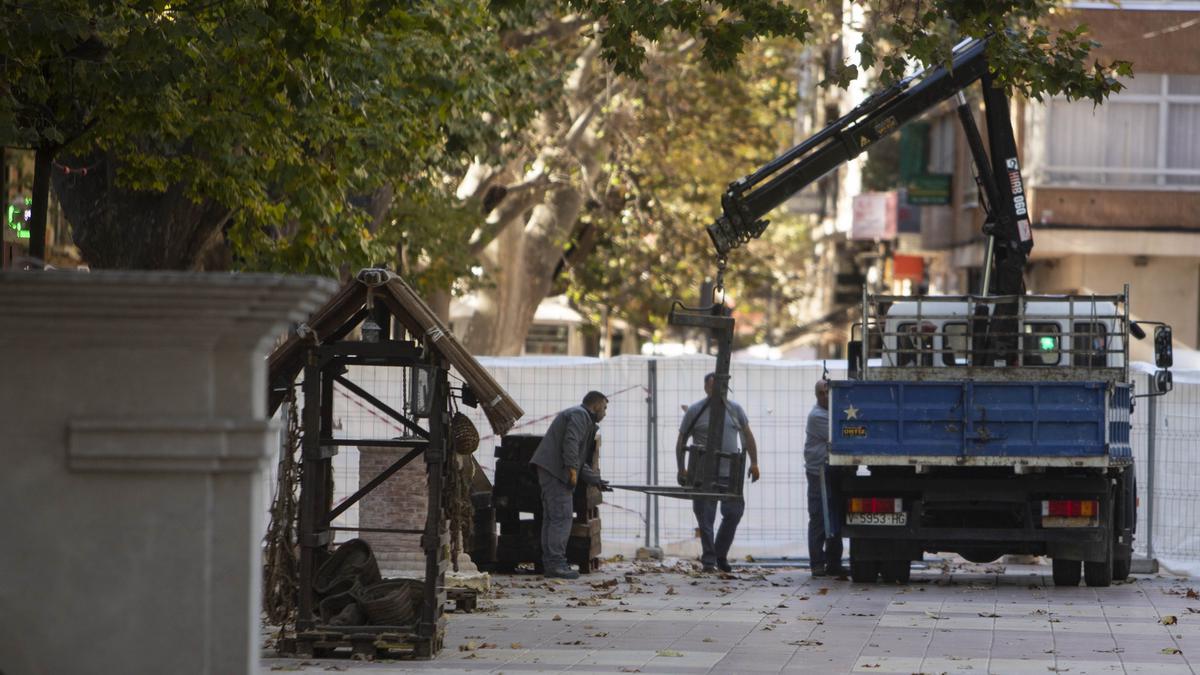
(284, 111)
(1036, 49)
(294, 114)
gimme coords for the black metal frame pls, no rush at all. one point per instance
(326, 364)
(702, 478)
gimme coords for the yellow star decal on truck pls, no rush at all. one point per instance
(851, 413)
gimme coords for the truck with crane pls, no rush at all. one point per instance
(984, 424)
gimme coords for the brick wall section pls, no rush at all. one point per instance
(399, 502)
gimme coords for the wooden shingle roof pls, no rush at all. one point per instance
(411, 310)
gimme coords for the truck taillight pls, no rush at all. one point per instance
(876, 505)
(1071, 508)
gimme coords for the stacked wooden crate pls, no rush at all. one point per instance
(516, 507)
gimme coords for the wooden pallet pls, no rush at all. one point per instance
(465, 599)
(365, 643)
(587, 566)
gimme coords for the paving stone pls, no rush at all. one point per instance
(969, 621)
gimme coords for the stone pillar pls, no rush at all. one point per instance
(132, 447)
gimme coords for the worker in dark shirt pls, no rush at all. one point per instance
(824, 500)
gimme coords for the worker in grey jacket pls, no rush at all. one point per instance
(560, 459)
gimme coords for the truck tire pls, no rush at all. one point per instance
(1098, 574)
(895, 571)
(1065, 572)
(863, 571)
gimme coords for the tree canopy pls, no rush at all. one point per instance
(446, 136)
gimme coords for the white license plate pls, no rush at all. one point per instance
(876, 518)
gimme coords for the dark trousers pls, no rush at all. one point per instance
(706, 516)
(825, 548)
(557, 512)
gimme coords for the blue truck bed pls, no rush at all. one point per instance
(979, 423)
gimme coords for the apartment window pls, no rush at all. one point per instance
(546, 339)
(1147, 136)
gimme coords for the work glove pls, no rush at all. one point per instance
(590, 476)
(572, 477)
(754, 473)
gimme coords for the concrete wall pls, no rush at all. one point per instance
(1163, 288)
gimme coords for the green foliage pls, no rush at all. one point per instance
(689, 132)
(287, 112)
(291, 113)
(1028, 53)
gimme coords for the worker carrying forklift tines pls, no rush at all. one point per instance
(715, 551)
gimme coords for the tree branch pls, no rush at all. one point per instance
(519, 199)
(565, 27)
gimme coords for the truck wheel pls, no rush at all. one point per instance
(863, 571)
(1098, 574)
(1065, 572)
(895, 571)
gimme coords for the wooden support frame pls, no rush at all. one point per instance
(324, 366)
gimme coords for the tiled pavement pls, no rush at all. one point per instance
(957, 619)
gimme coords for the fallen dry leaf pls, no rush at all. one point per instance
(630, 669)
(668, 652)
(515, 645)
(822, 591)
(468, 647)
(1171, 650)
(1169, 620)
(1192, 595)
(488, 645)
(989, 615)
(708, 640)
(671, 590)
(556, 618)
(805, 643)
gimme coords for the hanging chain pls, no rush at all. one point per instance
(719, 286)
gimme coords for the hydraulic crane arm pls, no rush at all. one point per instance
(749, 199)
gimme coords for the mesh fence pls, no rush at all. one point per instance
(647, 398)
(1175, 495)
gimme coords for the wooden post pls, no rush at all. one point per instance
(434, 538)
(309, 488)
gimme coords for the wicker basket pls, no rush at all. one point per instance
(396, 602)
(353, 562)
(463, 434)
